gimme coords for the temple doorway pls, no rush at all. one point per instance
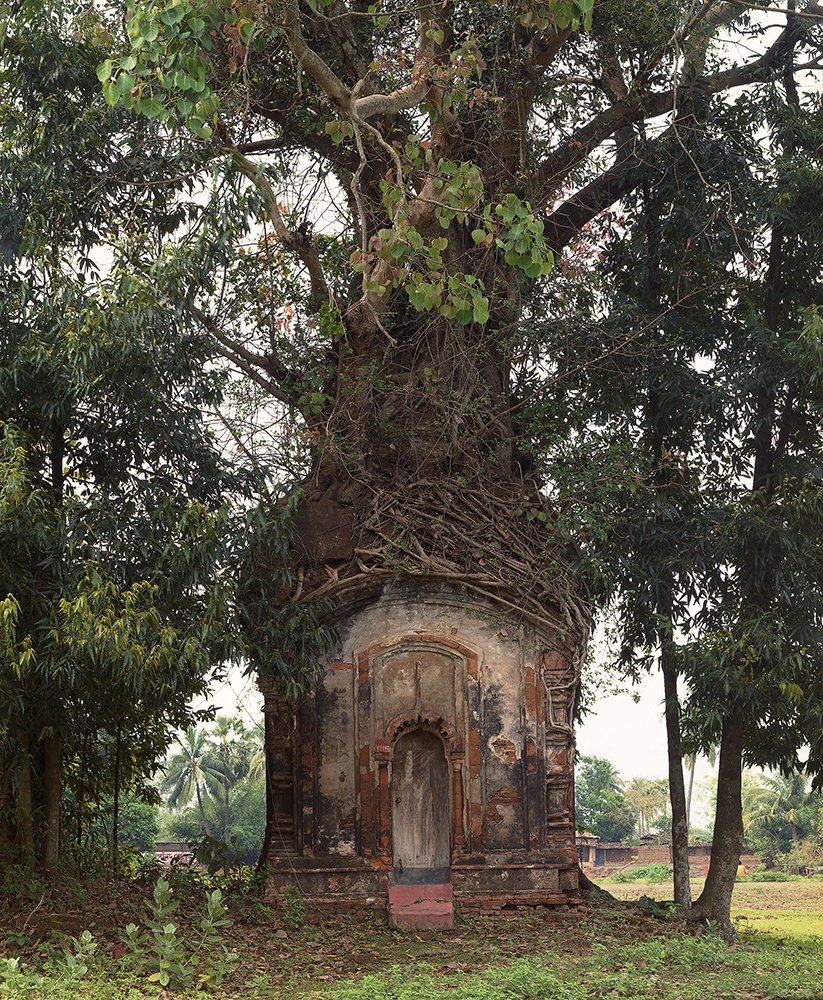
(421, 817)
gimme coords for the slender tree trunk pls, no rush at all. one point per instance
(692, 766)
(24, 808)
(659, 427)
(206, 826)
(115, 817)
(714, 902)
(6, 825)
(52, 785)
(81, 790)
(677, 790)
(52, 749)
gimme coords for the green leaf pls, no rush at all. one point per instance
(152, 108)
(480, 311)
(172, 15)
(124, 83)
(104, 70)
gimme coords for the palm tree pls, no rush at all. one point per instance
(647, 796)
(194, 772)
(775, 805)
(257, 761)
(229, 745)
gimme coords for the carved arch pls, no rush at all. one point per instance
(408, 721)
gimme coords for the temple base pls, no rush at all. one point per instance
(421, 907)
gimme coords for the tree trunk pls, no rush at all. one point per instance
(692, 767)
(81, 791)
(52, 750)
(51, 801)
(677, 790)
(593, 892)
(714, 902)
(24, 809)
(206, 826)
(115, 817)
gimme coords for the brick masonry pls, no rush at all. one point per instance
(499, 698)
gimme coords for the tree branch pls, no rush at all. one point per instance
(317, 68)
(371, 104)
(637, 107)
(566, 221)
(247, 361)
(297, 242)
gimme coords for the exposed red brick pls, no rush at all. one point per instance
(340, 665)
(505, 796)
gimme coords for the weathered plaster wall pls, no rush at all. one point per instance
(442, 657)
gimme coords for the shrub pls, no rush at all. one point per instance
(160, 951)
(644, 873)
(294, 908)
(19, 980)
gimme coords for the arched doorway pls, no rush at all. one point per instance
(421, 817)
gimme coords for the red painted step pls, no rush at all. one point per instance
(421, 906)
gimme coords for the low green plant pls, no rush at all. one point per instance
(294, 908)
(17, 980)
(644, 873)
(161, 952)
(245, 882)
(78, 958)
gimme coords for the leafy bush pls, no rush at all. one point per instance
(294, 908)
(20, 981)
(161, 953)
(97, 860)
(801, 859)
(644, 873)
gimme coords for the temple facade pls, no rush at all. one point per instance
(433, 763)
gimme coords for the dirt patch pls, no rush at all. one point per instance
(804, 895)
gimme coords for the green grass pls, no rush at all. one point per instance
(683, 968)
(788, 923)
(611, 951)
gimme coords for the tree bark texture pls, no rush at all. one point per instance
(677, 790)
(714, 902)
(52, 787)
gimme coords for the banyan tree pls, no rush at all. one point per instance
(415, 170)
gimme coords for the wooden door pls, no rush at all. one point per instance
(421, 818)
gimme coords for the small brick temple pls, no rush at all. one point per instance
(433, 764)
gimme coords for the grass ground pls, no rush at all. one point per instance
(788, 908)
(613, 951)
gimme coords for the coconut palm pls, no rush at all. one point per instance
(257, 761)
(195, 772)
(778, 809)
(230, 745)
(648, 797)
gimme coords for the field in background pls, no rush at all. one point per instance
(790, 908)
